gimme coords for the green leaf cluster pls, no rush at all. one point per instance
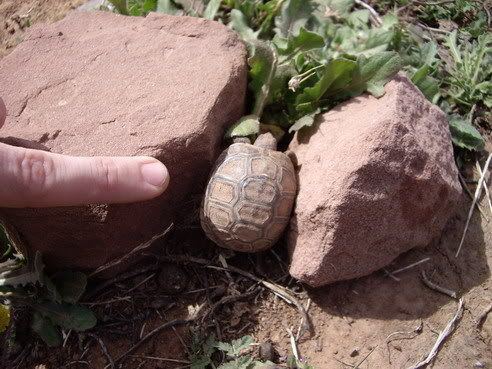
(306, 56)
(325, 54)
(143, 7)
(235, 353)
(53, 299)
(469, 72)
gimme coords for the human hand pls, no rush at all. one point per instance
(34, 178)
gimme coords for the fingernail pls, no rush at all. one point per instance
(155, 174)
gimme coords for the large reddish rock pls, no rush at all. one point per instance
(376, 178)
(97, 83)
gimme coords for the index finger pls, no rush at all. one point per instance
(3, 112)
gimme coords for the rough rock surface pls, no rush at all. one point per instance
(376, 178)
(97, 83)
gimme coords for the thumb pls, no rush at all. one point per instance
(32, 178)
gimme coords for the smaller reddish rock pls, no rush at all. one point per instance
(376, 178)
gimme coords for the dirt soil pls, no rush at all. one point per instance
(372, 322)
(17, 15)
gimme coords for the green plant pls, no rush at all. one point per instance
(306, 56)
(469, 72)
(313, 61)
(53, 299)
(469, 15)
(234, 355)
(209, 353)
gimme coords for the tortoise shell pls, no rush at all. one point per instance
(249, 198)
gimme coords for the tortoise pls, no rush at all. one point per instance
(249, 196)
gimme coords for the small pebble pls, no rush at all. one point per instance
(354, 352)
(267, 352)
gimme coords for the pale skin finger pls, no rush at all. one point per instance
(32, 178)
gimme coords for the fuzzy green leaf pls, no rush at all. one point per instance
(488, 101)
(464, 135)
(451, 42)
(167, 7)
(341, 7)
(70, 285)
(211, 9)
(246, 126)
(67, 316)
(303, 42)
(225, 347)
(243, 362)
(236, 346)
(201, 356)
(263, 64)
(294, 15)
(336, 75)
(377, 70)
(46, 330)
(305, 121)
(428, 53)
(359, 18)
(51, 287)
(428, 85)
(239, 23)
(120, 6)
(262, 365)
(200, 362)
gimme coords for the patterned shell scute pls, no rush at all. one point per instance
(249, 198)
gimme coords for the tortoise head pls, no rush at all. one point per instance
(266, 141)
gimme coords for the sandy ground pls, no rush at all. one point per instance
(375, 321)
(17, 15)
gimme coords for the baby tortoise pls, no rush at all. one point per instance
(249, 196)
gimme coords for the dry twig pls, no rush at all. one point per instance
(478, 192)
(470, 195)
(276, 289)
(104, 350)
(442, 337)
(149, 335)
(437, 288)
(227, 300)
(410, 335)
(145, 280)
(160, 359)
(293, 343)
(365, 357)
(409, 266)
(485, 186)
(483, 317)
(137, 251)
(388, 273)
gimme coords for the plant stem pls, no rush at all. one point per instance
(311, 70)
(265, 89)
